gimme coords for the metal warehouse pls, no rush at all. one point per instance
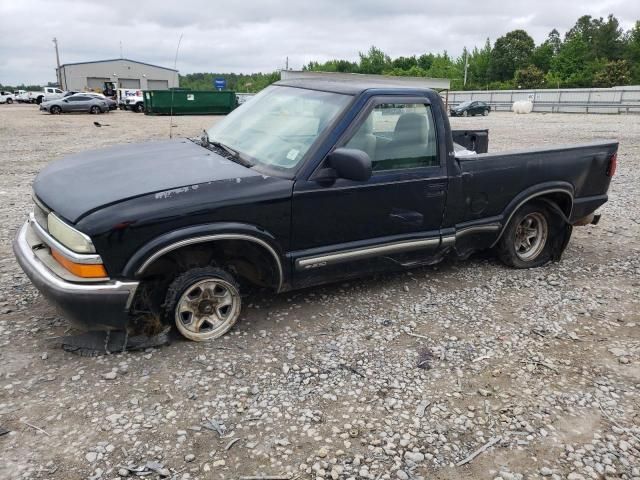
(124, 73)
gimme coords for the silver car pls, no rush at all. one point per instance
(76, 103)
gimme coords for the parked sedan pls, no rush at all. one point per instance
(76, 103)
(111, 103)
(470, 108)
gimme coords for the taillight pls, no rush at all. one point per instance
(613, 165)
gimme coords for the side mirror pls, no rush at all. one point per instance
(65, 100)
(350, 164)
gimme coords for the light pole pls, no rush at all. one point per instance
(58, 73)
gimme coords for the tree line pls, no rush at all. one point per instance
(595, 52)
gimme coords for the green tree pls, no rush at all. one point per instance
(374, 61)
(614, 73)
(510, 52)
(405, 63)
(632, 52)
(529, 77)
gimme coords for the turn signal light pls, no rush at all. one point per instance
(83, 270)
(613, 165)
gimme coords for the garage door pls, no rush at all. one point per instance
(96, 83)
(158, 84)
(129, 83)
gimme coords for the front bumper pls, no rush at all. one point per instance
(91, 305)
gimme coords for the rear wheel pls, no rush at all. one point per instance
(9, 101)
(527, 240)
(55, 110)
(465, 114)
(204, 303)
(139, 108)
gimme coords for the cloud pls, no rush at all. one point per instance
(253, 36)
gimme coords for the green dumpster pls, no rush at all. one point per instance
(189, 102)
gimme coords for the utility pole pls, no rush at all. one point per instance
(466, 66)
(58, 73)
(120, 48)
(287, 64)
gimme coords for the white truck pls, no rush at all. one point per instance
(130, 99)
(44, 95)
(6, 97)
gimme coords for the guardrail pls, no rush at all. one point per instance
(580, 100)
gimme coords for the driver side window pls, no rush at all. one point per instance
(398, 136)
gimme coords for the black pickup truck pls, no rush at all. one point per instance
(309, 182)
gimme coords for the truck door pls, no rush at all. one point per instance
(395, 216)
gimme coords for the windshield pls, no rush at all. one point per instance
(278, 126)
(464, 104)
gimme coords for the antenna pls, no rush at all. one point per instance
(120, 48)
(175, 63)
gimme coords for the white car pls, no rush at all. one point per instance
(6, 97)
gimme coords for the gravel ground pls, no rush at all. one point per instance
(402, 376)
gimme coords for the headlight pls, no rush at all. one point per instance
(69, 236)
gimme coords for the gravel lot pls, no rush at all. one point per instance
(395, 377)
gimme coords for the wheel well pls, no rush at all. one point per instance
(562, 198)
(250, 262)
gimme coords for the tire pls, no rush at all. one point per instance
(55, 110)
(485, 113)
(465, 114)
(204, 303)
(95, 110)
(139, 108)
(9, 101)
(528, 240)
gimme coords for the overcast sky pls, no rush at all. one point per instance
(252, 36)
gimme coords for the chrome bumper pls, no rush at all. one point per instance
(94, 305)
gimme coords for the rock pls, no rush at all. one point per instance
(189, 457)
(110, 375)
(575, 476)
(123, 472)
(402, 475)
(546, 472)
(415, 457)
(91, 457)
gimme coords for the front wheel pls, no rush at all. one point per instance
(485, 113)
(55, 110)
(527, 242)
(95, 110)
(139, 107)
(9, 101)
(203, 302)
(465, 114)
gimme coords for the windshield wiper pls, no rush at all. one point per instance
(233, 154)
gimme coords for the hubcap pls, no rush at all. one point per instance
(531, 236)
(208, 308)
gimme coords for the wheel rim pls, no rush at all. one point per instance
(94, 109)
(207, 309)
(531, 236)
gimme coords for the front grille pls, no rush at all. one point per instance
(40, 213)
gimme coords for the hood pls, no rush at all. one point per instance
(81, 183)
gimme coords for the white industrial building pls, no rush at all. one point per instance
(124, 73)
